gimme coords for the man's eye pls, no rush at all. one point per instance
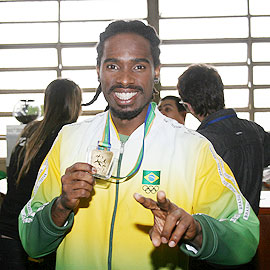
(138, 67)
(167, 109)
(111, 66)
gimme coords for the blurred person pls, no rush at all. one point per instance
(62, 105)
(99, 216)
(172, 107)
(243, 144)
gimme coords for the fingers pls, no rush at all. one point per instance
(178, 225)
(79, 166)
(155, 237)
(80, 172)
(164, 203)
(77, 183)
(161, 197)
(171, 223)
(161, 204)
(146, 202)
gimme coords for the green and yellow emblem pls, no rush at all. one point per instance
(151, 178)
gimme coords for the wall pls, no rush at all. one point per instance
(3, 165)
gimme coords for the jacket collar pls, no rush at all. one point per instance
(216, 116)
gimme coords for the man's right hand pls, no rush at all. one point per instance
(77, 183)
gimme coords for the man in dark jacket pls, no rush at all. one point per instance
(243, 144)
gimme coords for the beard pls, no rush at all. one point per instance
(128, 115)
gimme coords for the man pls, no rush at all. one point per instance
(242, 144)
(89, 214)
(171, 107)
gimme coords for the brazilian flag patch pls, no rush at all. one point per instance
(151, 178)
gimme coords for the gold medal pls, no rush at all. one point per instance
(102, 160)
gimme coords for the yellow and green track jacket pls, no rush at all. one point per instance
(111, 230)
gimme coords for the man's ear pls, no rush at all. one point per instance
(98, 71)
(190, 108)
(157, 72)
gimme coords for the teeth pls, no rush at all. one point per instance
(125, 96)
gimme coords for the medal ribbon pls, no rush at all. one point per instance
(106, 138)
(106, 145)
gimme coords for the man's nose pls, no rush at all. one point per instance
(125, 78)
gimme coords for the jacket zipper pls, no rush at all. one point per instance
(115, 206)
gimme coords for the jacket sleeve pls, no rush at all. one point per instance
(230, 227)
(39, 235)
(266, 145)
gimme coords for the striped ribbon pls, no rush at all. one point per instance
(105, 144)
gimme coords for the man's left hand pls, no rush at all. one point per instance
(171, 223)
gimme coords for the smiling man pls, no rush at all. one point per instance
(103, 188)
(126, 74)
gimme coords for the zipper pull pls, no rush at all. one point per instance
(122, 148)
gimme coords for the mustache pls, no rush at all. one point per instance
(135, 87)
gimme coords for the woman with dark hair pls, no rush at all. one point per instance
(62, 105)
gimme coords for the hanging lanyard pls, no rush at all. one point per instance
(106, 145)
